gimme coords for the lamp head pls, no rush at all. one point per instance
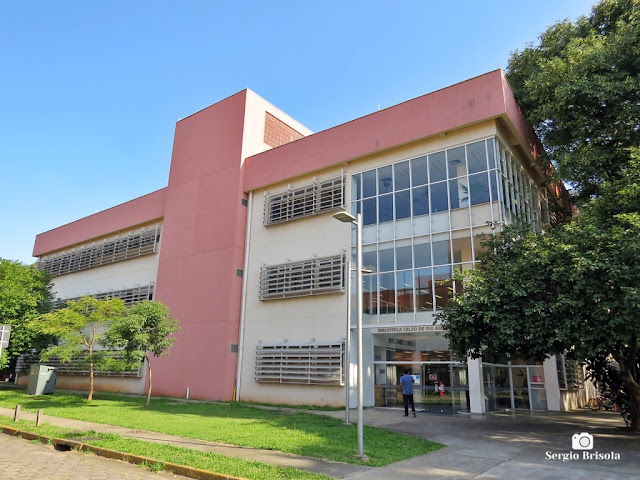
(344, 217)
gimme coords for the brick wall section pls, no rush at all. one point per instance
(277, 133)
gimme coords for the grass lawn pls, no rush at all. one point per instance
(167, 453)
(232, 423)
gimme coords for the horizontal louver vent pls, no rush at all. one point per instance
(128, 246)
(298, 279)
(307, 364)
(77, 366)
(319, 197)
(129, 296)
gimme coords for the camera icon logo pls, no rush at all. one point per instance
(582, 441)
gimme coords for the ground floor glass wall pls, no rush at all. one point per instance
(514, 384)
(441, 383)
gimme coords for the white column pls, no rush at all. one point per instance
(552, 384)
(476, 385)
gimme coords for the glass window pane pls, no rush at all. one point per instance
(437, 167)
(441, 251)
(356, 207)
(385, 256)
(370, 258)
(369, 183)
(424, 292)
(492, 153)
(456, 163)
(439, 201)
(403, 204)
(419, 171)
(385, 182)
(401, 175)
(387, 293)
(369, 215)
(459, 193)
(420, 200)
(370, 294)
(403, 255)
(355, 187)
(479, 186)
(404, 282)
(476, 157)
(385, 204)
(442, 289)
(494, 185)
(422, 252)
(462, 247)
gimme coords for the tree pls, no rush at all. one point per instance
(146, 328)
(574, 290)
(25, 292)
(81, 331)
(580, 89)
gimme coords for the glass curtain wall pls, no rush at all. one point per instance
(424, 217)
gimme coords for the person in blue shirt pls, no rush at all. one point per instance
(407, 392)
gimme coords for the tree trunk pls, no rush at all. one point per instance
(90, 397)
(149, 392)
(633, 390)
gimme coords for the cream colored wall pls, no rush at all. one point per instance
(318, 318)
(315, 318)
(138, 271)
(133, 385)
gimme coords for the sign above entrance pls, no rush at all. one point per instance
(417, 328)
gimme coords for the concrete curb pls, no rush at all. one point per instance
(183, 470)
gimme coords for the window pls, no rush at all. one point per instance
(314, 199)
(306, 364)
(299, 279)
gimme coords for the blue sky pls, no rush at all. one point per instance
(90, 90)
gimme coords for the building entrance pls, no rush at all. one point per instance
(441, 383)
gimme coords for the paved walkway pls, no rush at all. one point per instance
(495, 446)
(509, 446)
(23, 460)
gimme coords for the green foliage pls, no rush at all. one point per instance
(147, 327)
(25, 292)
(574, 289)
(80, 329)
(580, 88)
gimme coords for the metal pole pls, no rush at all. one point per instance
(359, 333)
(347, 346)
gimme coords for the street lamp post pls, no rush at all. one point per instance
(347, 345)
(357, 221)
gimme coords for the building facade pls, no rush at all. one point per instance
(243, 247)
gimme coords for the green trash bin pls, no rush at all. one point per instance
(42, 379)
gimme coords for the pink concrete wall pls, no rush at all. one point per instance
(475, 100)
(124, 216)
(202, 246)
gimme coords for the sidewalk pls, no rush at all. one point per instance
(495, 446)
(509, 446)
